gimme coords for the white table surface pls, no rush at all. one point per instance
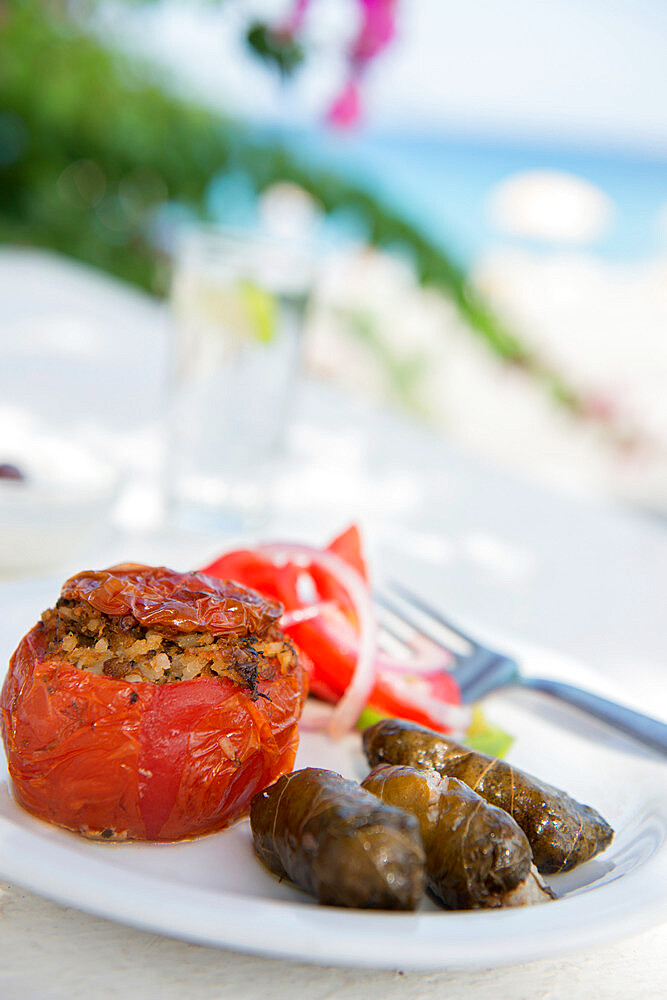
(581, 578)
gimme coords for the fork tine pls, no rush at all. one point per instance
(478, 670)
(389, 621)
(395, 636)
(414, 600)
(421, 626)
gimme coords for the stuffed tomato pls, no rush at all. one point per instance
(150, 705)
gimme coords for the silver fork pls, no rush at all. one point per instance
(406, 618)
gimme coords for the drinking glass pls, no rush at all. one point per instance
(239, 303)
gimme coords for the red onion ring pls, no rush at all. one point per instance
(353, 701)
(305, 614)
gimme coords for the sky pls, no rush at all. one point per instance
(586, 72)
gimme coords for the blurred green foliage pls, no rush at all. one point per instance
(91, 145)
(94, 144)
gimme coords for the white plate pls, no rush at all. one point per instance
(213, 891)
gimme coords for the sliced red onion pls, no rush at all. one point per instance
(353, 701)
(306, 614)
(425, 659)
(427, 662)
(416, 691)
(316, 715)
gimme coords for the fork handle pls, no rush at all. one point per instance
(643, 728)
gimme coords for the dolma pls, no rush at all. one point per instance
(339, 842)
(562, 832)
(476, 855)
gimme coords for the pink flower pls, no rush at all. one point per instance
(345, 110)
(377, 29)
(293, 23)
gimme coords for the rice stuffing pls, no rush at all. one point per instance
(122, 648)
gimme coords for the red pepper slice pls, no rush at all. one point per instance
(323, 638)
(348, 546)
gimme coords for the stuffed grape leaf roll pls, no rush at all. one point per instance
(339, 842)
(476, 855)
(562, 832)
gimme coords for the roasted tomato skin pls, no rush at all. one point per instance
(134, 760)
(174, 602)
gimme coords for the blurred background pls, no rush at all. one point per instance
(483, 185)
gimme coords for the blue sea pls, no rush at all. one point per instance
(443, 184)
